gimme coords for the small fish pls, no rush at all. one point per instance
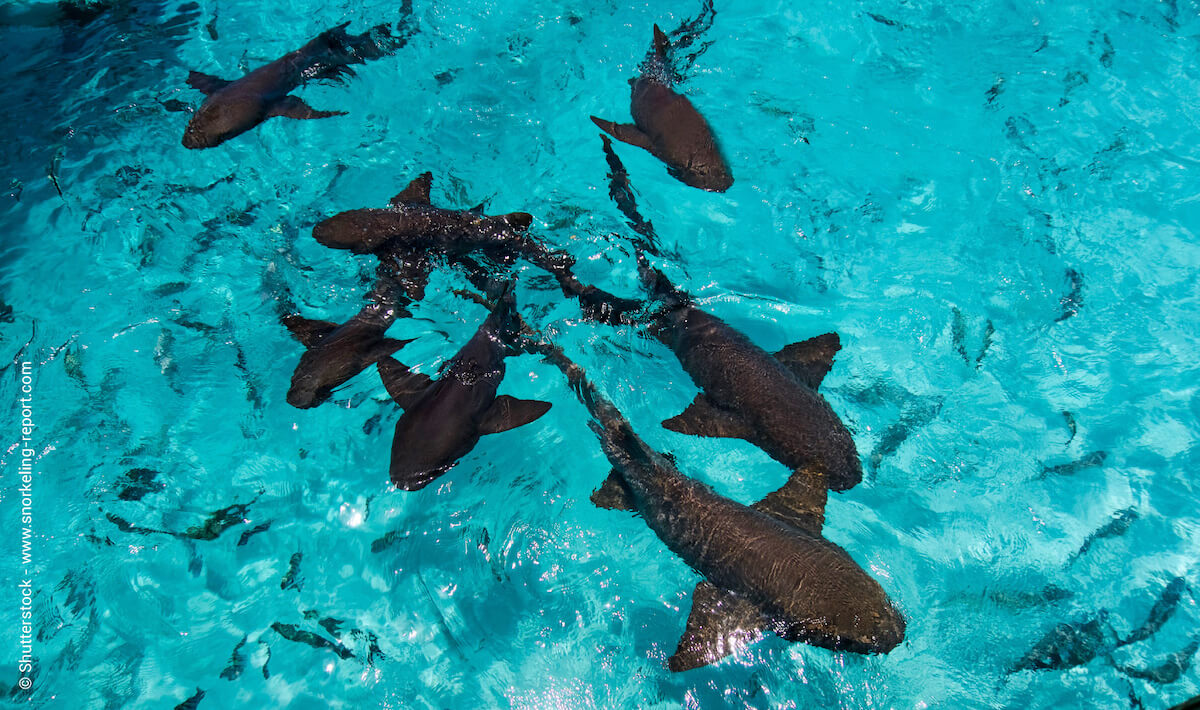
(237, 662)
(138, 483)
(1075, 644)
(1121, 520)
(191, 703)
(1070, 644)
(913, 416)
(1090, 460)
(267, 650)
(292, 579)
(1072, 427)
(294, 633)
(1019, 599)
(388, 540)
(218, 522)
(1169, 670)
(1073, 301)
(1161, 611)
(251, 533)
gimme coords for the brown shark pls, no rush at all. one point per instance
(669, 126)
(338, 352)
(444, 418)
(765, 566)
(234, 107)
(770, 400)
(411, 223)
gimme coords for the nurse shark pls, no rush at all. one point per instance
(768, 399)
(766, 567)
(234, 107)
(411, 224)
(668, 126)
(336, 352)
(445, 417)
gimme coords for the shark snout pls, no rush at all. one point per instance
(194, 138)
(190, 140)
(303, 396)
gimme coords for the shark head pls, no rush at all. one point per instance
(218, 121)
(308, 388)
(707, 171)
(425, 447)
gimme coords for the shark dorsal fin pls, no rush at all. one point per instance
(614, 493)
(403, 386)
(509, 413)
(661, 43)
(703, 418)
(308, 331)
(417, 192)
(205, 83)
(519, 221)
(810, 360)
(720, 623)
(800, 502)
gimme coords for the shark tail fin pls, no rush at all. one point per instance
(656, 281)
(345, 48)
(506, 322)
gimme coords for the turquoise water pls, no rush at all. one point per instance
(993, 203)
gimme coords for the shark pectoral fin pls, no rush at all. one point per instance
(800, 502)
(294, 107)
(385, 348)
(478, 209)
(403, 385)
(205, 83)
(416, 193)
(720, 623)
(625, 132)
(308, 331)
(703, 418)
(811, 359)
(509, 413)
(614, 493)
